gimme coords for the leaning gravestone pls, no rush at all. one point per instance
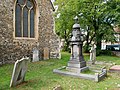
(19, 71)
(46, 53)
(35, 55)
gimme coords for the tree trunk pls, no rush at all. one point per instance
(98, 49)
(66, 47)
(86, 48)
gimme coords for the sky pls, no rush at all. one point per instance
(52, 0)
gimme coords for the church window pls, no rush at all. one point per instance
(25, 19)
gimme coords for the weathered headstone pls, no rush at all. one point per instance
(46, 53)
(56, 54)
(93, 53)
(18, 75)
(35, 55)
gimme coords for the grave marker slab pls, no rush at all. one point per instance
(18, 75)
(35, 55)
(46, 53)
(115, 68)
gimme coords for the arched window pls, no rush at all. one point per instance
(25, 19)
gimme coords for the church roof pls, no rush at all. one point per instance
(52, 5)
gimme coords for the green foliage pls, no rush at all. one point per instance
(86, 48)
(106, 52)
(96, 17)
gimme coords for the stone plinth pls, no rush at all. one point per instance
(76, 66)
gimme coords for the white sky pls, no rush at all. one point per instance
(52, 0)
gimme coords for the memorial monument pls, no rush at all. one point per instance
(76, 63)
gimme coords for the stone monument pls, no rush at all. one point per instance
(93, 53)
(76, 63)
(35, 55)
(19, 71)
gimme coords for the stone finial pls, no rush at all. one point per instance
(76, 25)
(76, 19)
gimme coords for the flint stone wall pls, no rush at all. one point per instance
(13, 49)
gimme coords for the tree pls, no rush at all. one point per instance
(65, 21)
(97, 18)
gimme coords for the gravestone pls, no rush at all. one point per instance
(115, 68)
(18, 75)
(35, 55)
(55, 54)
(93, 53)
(46, 53)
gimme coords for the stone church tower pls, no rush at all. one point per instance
(25, 25)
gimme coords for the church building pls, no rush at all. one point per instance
(24, 26)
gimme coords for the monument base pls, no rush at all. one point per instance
(76, 66)
(96, 77)
(77, 70)
(91, 62)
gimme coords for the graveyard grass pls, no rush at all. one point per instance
(40, 76)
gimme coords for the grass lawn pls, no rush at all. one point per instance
(41, 77)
